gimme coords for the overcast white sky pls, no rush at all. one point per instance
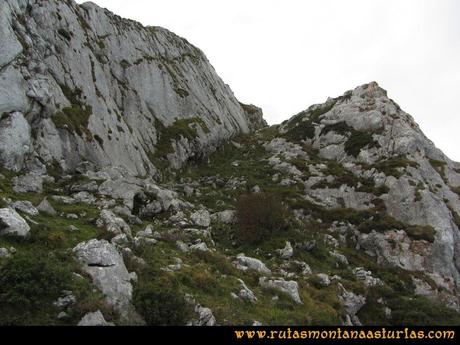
(286, 55)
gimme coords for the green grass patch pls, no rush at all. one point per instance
(302, 126)
(392, 166)
(76, 117)
(186, 128)
(440, 167)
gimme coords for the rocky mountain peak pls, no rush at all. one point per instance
(363, 124)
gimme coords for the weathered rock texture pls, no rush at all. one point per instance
(80, 84)
(105, 265)
(376, 142)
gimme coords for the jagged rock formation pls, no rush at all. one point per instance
(94, 108)
(379, 144)
(82, 85)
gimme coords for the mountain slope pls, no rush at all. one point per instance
(135, 189)
(367, 235)
(90, 87)
(374, 139)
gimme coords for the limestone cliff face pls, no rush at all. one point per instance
(79, 84)
(373, 138)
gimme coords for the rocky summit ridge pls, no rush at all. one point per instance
(131, 175)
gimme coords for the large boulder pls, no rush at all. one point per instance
(113, 224)
(11, 223)
(290, 288)
(153, 200)
(25, 207)
(104, 264)
(201, 218)
(243, 262)
(28, 183)
(46, 208)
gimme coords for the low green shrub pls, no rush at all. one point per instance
(29, 283)
(258, 217)
(357, 141)
(161, 303)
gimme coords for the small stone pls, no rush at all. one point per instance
(72, 228)
(287, 251)
(256, 189)
(201, 218)
(200, 246)
(182, 246)
(351, 302)
(133, 277)
(246, 294)
(63, 315)
(324, 279)
(120, 240)
(113, 223)
(66, 300)
(4, 253)
(147, 232)
(387, 312)
(226, 217)
(188, 191)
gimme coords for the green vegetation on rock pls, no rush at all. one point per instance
(302, 125)
(180, 128)
(76, 117)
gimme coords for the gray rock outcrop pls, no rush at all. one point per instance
(290, 288)
(105, 265)
(113, 224)
(374, 140)
(244, 263)
(46, 208)
(94, 87)
(205, 316)
(94, 319)
(11, 223)
(25, 207)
